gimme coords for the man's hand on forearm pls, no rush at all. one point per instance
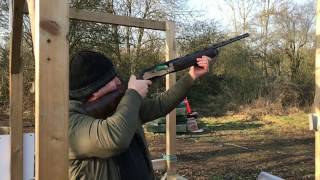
(202, 68)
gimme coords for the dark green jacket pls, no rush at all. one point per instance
(93, 143)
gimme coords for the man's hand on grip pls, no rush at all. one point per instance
(141, 86)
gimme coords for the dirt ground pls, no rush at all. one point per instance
(240, 147)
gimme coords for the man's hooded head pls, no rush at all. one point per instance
(89, 71)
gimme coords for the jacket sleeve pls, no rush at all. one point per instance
(164, 103)
(103, 138)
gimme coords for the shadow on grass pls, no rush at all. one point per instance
(202, 156)
(288, 158)
(234, 125)
(255, 147)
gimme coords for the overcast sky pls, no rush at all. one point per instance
(217, 9)
(213, 9)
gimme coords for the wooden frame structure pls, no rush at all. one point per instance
(49, 27)
(49, 30)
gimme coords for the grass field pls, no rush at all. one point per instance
(241, 146)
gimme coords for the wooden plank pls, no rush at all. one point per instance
(7, 124)
(16, 125)
(171, 117)
(16, 36)
(107, 18)
(51, 48)
(16, 91)
(4, 130)
(317, 92)
(159, 164)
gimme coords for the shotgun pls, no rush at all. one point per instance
(186, 61)
(106, 105)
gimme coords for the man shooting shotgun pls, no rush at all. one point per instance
(106, 139)
(107, 104)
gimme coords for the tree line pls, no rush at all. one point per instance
(274, 67)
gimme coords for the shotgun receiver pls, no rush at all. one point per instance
(186, 61)
(106, 105)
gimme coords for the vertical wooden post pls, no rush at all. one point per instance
(16, 90)
(171, 117)
(51, 24)
(31, 11)
(317, 92)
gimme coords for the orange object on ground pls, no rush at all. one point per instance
(188, 108)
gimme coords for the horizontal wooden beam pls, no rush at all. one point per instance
(107, 18)
(5, 130)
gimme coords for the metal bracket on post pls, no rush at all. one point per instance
(313, 122)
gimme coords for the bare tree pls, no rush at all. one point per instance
(4, 21)
(263, 24)
(242, 11)
(123, 43)
(135, 39)
(294, 24)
